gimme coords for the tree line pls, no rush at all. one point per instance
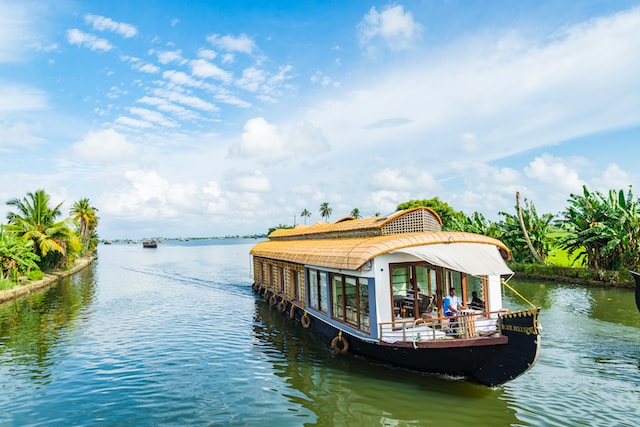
(599, 231)
(35, 239)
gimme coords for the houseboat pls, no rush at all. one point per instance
(376, 287)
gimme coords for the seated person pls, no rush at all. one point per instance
(476, 303)
(452, 303)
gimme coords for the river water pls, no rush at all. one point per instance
(175, 336)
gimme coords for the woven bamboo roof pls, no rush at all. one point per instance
(414, 220)
(353, 253)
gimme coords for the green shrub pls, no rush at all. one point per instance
(35, 275)
(6, 284)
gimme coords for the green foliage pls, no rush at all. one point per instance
(85, 218)
(603, 230)
(305, 214)
(6, 284)
(17, 256)
(538, 229)
(272, 229)
(478, 224)
(446, 213)
(54, 243)
(325, 210)
(572, 274)
(35, 275)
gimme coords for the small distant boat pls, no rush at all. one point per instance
(149, 244)
(107, 242)
(636, 276)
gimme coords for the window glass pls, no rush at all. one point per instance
(313, 289)
(324, 302)
(400, 277)
(337, 295)
(475, 284)
(363, 303)
(351, 301)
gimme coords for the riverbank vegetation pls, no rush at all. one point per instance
(596, 239)
(35, 240)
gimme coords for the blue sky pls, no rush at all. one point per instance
(208, 118)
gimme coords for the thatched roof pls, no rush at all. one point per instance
(414, 220)
(353, 253)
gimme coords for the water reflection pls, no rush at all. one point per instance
(30, 328)
(351, 390)
(603, 303)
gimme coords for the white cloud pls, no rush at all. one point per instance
(554, 172)
(16, 29)
(106, 146)
(203, 68)
(148, 68)
(261, 139)
(80, 38)
(615, 178)
(133, 123)
(393, 26)
(180, 78)
(241, 43)
(267, 143)
(153, 116)
(101, 23)
(188, 100)
(409, 179)
(15, 98)
(207, 54)
(251, 80)
(18, 135)
(251, 183)
(169, 107)
(171, 56)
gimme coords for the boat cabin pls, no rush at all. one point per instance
(381, 277)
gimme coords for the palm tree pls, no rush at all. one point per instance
(85, 218)
(356, 213)
(325, 210)
(36, 221)
(305, 214)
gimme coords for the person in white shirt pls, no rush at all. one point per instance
(452, 303)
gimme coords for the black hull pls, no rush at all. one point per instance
(636, 276)
(490, 361)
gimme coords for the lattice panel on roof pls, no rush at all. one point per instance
(412, 222)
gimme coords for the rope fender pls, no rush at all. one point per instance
(339, 344)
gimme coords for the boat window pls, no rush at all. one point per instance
(363, 304)
(281, 279)
(337, 296)
(297, 284)
(413, 288)
(350, 300)
(318, 290)
(313, 289)
(269, 280)
(324, 301)
(478, 285)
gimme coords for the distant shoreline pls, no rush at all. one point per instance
(49, 279)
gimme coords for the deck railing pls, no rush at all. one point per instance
(468, 324)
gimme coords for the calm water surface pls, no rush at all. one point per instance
(175, 336)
